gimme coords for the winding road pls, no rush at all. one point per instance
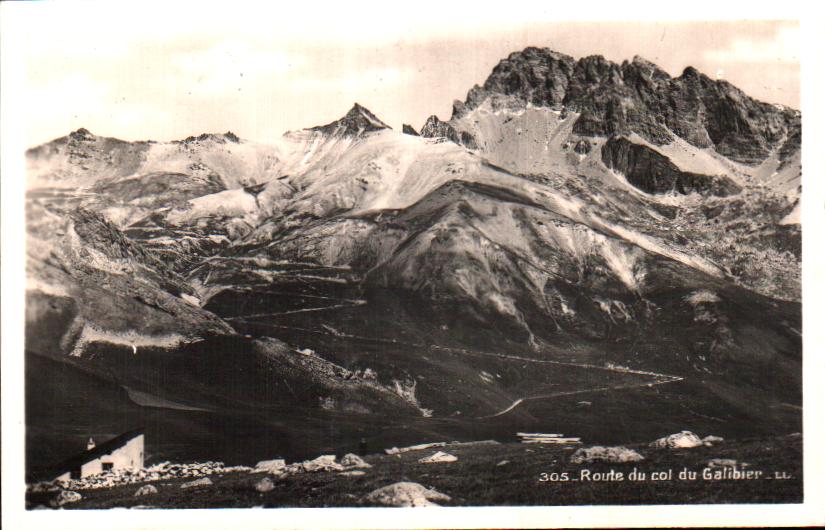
(655, 378)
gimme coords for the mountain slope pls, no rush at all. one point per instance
(577, 232)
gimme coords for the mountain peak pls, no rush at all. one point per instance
(81, 134)
(702, 111)
(218, 138)
(358, 120)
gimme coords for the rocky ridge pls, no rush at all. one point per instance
(356, 121)
(639, 97)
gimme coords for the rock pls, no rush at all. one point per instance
(652, 172)
(474, 443)
(681, 440)
(264, 485)
(406, 494)
(435, 128)
(419, 447)
(438, 457)
(39, 487)
(503, 463)
(724, 462)
(148, 489)
(710, 440)
(201, 482)
(65, 497)
(408, 129)
(354, 461)
(605, 454)
(354, 473)
(275, 466)
(583, 147)
(639, 97)
(322, 463)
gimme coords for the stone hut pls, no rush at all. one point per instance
(122, 452)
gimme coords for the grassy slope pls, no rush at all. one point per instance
(476, 480)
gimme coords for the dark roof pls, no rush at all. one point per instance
(96, 452)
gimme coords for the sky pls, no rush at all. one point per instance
(151, 71)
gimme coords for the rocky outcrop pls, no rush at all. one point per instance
(65, 497)
(640, 97)
(406, 494)
(264, 485)
(275, 466)
(357, 121)
(714, 463)
(322, 463)
(613, 455)
(228, 136)
(409, 129)
(792, 143)
(161, 471)
(437, 458)
(198, 483)
(354, 461)
(435, 128)
(147, 489)
(583, 147)
(90, 283)
(680, 440)
(653, 172)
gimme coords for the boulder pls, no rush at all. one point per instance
(199, 483)
(419, 447)
(681, 440)
(264, 485)
(710, 440)
(354, 461)
(322, 463)
(406, 494)
(275, 466)
(148, 489)
(598, 453)
(438, 457)
(725, 462)
(65, 497)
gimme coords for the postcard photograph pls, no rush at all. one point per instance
(290, 263)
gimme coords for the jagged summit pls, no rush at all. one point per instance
(357, 121)
(435, 128)
(639, 97)
(648, 67)
(228, 136)
(81, 134)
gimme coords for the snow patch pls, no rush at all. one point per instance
(702, 296)
(131, 339)
(229, 203)
(793, 218)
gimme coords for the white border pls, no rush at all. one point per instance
(13, 280)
